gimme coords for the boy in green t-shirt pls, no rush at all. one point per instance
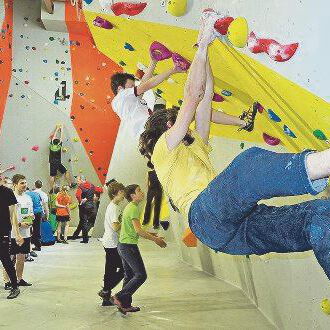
(135, 273)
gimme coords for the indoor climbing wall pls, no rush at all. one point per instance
(273, 52)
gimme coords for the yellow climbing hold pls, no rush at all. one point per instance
(177, 7)
(325, 305)
(64, 149)
(73, 206)
(75, 139)
(238, 32)
(80, 171)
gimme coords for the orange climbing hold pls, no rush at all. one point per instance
(188, 238)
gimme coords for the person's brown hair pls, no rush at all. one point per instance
(114, 188)
(130, 190)
(17, 177)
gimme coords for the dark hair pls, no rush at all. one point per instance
(17, 177)
(56, 141)
(114, 188)
(154, 128)
(119, 79)
(130, 190)
(110, 181)
(150, 165)
(38, 184)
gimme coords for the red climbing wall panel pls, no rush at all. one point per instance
(5, 55)
(93, 118)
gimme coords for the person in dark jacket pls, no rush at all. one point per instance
(85, 196)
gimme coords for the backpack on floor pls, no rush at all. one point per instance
(47, 236)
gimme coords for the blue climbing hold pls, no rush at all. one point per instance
(226, 92)
(88, 1)
(128, 47)
(288, 131)
(273, 116)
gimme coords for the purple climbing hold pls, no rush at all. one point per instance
(102, 23)
(159, 52)
(217, 98)
(271, 140)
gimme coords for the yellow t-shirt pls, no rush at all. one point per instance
(185, 171)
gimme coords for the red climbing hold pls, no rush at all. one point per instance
(272, 141)
(218, 98)
(24, 159)
(221, 25)
(275, 50)
(35, 148)
(128, 8)
(139, 74)
(180, 61)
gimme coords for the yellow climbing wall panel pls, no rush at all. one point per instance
(248, 80)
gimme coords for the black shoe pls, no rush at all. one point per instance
(108, 302)
(104, 294)
(74, 237)
(73, 185)
(33, 254)
(84, 242)
(29, 259)
(249, 117)
(59, 240)
(36, 249)
(8, 286)
(23, 283)
(14, 293)
(65, 242)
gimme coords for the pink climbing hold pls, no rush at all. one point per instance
(128, 8)
(272, 141)
(217, 98)
(159, 52)
(35, 148)
(222, 24)
(260, 108)
(23, 159)
(180, 61)
(275, 50)
(102, 23)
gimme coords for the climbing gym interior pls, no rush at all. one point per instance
(56, 63)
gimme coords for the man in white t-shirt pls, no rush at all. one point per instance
(114, 272)
(25, 218)
(128, 103)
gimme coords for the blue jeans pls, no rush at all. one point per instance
(135, 272)
(226, 216)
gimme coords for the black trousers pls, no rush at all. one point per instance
(7, 263)
(85, 216)
(36, 237)
(113, 271)
(156, 196)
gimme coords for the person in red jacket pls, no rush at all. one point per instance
(85, 196)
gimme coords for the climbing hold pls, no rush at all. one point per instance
(242, 145)
(159, 91)
(102, 23)
(273, 116)
(159, 52)
(122, 63)
(177, 7)
(180, 102)
(222, 24)
(81, 171)
(260, 108)
(165, 224)
(271, 140)
(180, 61)
(188, 238)
(64, 149)
(129, 47)
(75, 139)
(226, 92)
(73, 206)
(320, 135)
(139, 74)
(128, 8)
(35, 148)
(23, 159)
(238, 32)
(217, 98)
(275, 50)
(325, 306)
(288, 131)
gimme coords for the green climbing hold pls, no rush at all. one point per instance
(320, 135)
(242, 145)
(180, 102)
(122, 63)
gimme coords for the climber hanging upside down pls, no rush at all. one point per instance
(223, 210)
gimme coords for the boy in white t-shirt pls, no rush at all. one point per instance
(25, 218)
(114, 272)
(128, 103)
